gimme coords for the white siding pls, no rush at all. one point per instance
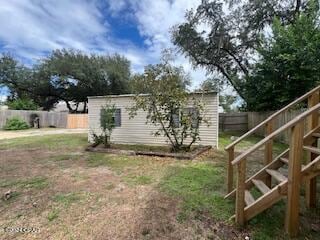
(136, 131)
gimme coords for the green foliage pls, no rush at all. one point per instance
(22, 104)
(52, 215)
(167, 105)
(226, 101)
(138, 180)
(107, 124)
(200, 186)
(96, 138)
(289, 65)
(65, 75)
(39, 182)
(15, 123)
(230, 41)
(67, 199)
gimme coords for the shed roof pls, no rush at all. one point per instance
(144, 94)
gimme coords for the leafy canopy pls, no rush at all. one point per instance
(230, 43)
(168, 105)
(289, 64)
(66, 75)
(22, 104)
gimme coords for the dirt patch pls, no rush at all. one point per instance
(125, 150)
(59, 193)
(160, 221)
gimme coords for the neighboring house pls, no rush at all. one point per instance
(4, 107)
(136, 131)
(61, 106)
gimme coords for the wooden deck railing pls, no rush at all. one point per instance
(296, 126)
(312, 97)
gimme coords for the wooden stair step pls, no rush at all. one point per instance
(261, 186)
(284, 160)
(277, 175)
(248, 198)
(312, 149)
(316, 135)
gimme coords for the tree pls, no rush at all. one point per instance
(289, 64)
(79, 75)
(107, 123)
(166, 104)
(226, 42)
(65, 75)
(22, 104)
(225, 100)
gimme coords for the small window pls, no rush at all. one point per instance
(175, 117)
(193, 114)
(117, 117)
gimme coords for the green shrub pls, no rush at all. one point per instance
(15, 123)
(22, 104)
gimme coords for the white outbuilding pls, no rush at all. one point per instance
(137, 131)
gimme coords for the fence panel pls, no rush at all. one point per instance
(233, 121)
(254, 118)
(77, 121)
(47, 119)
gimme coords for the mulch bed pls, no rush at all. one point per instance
(185, 155)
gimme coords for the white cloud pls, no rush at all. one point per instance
(31, 28)
(35, 26)
(156, 19)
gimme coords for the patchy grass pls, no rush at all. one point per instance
(52, 215)
(139, 147)
(138, 180)
(225, 140)
(66, 199)
(38, 182)
(201, 187)
(132, 196)
(64, 157)
(48, 141)
(115, 162)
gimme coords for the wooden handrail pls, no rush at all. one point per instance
(305, 137)
(271, 117)
(276, 132)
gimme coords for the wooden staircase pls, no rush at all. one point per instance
(280, 177)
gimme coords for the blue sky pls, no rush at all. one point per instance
(138, 29)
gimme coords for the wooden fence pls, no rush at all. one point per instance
(47, 119)
(245, 121)
(233, 122)
(254, 118)
(77, 121)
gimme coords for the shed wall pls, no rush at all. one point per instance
(136, 131)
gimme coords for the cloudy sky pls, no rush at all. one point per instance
(138, 29)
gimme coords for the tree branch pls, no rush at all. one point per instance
(243, 68)
(162, 124)
(297, 9)
(222, 71)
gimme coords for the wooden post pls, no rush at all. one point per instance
(311, 184)
(230, 170)
(294, 177)
(240, 202)
(268, 150)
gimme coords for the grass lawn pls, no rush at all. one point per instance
(68, 193)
